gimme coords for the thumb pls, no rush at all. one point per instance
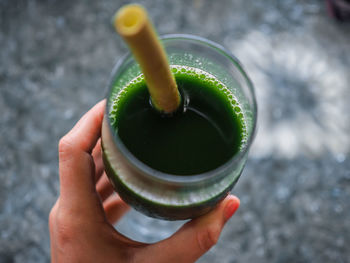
(196, 237)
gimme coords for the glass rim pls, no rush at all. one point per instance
(193, 178)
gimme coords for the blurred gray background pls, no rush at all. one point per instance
(55, 60)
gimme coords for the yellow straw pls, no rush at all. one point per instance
(133, 24)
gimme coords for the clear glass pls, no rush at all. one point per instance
(169, 196)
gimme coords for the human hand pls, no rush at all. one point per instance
(81, 221)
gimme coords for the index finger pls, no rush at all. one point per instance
(76, 166)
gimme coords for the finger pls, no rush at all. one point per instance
(195, 237)
(104, 188)
(97, 156)
(115, 208)
(76, 166)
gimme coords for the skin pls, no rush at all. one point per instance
(81, 221)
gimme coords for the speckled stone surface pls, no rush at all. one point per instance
(55, 60)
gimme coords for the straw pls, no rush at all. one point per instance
(133, 24)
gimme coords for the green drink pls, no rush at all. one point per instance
(179, 166)
(203, 134)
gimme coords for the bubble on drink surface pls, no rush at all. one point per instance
(201, 75)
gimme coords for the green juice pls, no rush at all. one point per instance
(207, 130)
(179, 166)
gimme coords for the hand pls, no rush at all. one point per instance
(81, 221)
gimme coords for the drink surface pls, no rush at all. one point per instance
(207, 131)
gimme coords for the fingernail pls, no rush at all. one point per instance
(230, 209)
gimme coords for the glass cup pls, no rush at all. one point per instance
(168, 196)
